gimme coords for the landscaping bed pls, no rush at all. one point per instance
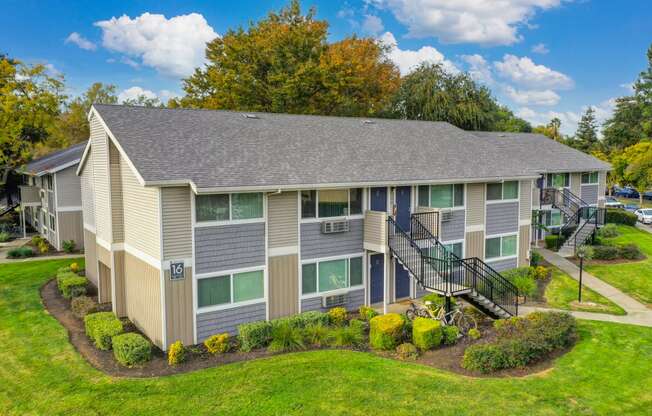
(38, 246)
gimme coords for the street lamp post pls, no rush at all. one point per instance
(579, 296)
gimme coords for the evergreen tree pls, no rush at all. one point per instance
(586, 137)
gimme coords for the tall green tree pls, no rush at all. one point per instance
(586, 136)
(431, 93)
(284, 63)
(552, 130)
(634, 166)
(142, 100)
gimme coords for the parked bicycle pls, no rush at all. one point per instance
(456, 317)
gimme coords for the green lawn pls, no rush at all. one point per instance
(633, 278)
(562, 291)
(608, 372)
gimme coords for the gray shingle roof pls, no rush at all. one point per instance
(55, 160)
(217, 149)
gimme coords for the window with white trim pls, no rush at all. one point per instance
(329, 275)
(227, 207)
(558, 180)
(502, 191)
(455, 248)
(590, 178)
(441, 196)
(230, 288)
(328, 203)
(497, 247)
(553, 218)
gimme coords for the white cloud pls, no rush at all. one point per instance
(134, 92)
(372, 24)
(165, 95)
(128, 61)
(407, 59)
(568, 119)
(172, 46)
(80, 41)
(629, 86)
(487, 22)
(540, 48)
(479, 68)
(532, 97)
(525, 72)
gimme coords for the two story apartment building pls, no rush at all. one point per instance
(196, 221)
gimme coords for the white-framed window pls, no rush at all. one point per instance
(229, 207)
(553, 218)
(590, 178)
(225, 290)
(504, 246)
(456, 248)
(502, 191)
(441, 196)
(328, 275)
(330, 203)
(558, 180)
(53, 223)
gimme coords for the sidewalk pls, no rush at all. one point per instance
(59, 257)
(637, 313)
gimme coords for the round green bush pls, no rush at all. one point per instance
(605, 252)
(426, 333)
(474, 333)
(82, 306)
(131, 349)
(407, 351)
(451, 334)
(254, 335)
(485, 358)
(551, 241)
(620, 216)
(630, 251)
(386, 331)
(101, 327)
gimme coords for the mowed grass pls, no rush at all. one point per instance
(562, 293)
(633, 278)
(608, 372)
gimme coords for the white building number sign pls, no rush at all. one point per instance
(176, 271)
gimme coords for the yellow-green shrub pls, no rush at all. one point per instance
(176, 353)
(474, 333)
(337, 316)
(218, 344)
(101, 327)
(43, 247)
(386, 331)
(426, 333)
(74, 267)
(131, 349)
(367, 312)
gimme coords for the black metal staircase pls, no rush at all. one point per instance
(439, 270)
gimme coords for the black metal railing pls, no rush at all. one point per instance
(592, 216)
(424, 225)
(492, 285)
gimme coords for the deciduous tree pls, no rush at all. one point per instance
(634, 165)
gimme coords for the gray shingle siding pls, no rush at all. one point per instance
(502, 218)
(589, 194)
(227, 320)
(314, 244)
(227, 247)
(453, 229)
(502, 265)
(354, 301)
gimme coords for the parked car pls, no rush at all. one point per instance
(644, 215)
(627, 193)
(611, 202)
(647, 195)
(631, 207)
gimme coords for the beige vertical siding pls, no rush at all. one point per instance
(143, 297)
(536, 196)
(475, 203)
(104, 287)
(283, 213)
(70, 227)
(119, 306)
(177, 222)
(283, 285)
(602, 185)
(68, 188)
(103, 255)
(525, 203)
(141, 214)
(576, 183)
(88, 191)
(90, 256)
(178, 308)
(100, 149)
(375, 231)
(475, 244)
(117, 219)
(523, 245)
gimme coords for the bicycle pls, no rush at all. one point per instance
(456, 317)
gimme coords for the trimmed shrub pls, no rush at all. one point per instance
(535, 259)
(176, 353)
(367, 312)
(474, 333)
(20, 252)
(36, 240)
(218, 343)
(630, 252)
(551, 241)
(605, 252)
(82, 306)
(347, 336)
(620, 216)
(43, 247)
(485, 358)
(316, 334)
(337, 316)
(303, 319)
(451, 334)
(386, 331)
(286, 338)
(4, 236)
(540, 272)
(68, 246)
(608, 231)
(426, 333)
(74, 267)
(523, 279)
(407, 351)
(131, 349)
(254, 335)
(101, 327)
(72, 285)
(63, 269)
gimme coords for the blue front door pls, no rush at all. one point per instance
(377, 277)
(378, 200)
(402, 278)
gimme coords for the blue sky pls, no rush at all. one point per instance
(542, 58)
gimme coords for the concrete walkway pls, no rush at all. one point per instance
(644, 227)
(637, 313)
(58, 257)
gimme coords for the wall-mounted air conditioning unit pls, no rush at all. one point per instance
(333, 300)
(335, 226)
